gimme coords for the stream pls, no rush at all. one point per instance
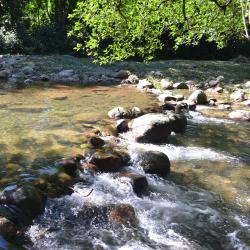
(203, 204)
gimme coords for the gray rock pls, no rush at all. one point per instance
(166, 84)
(28, 81)
(246, 103)
(154, 128)
(166, 98)
(238, 96)
(156, 91)
(66, 73)
(154, 162)
(191, 104)
(135, 112)
(157, 74)
(122, 74)
(143, 84)
(242, 115)
(44, 77)
(109, 160)
(180, 85)
(119, 113)
(133, 79)
(199, 97)
(4, 74)
(28, 199)
(122, 126)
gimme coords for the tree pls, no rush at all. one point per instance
(113, 30)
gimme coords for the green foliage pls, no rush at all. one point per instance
(112, 30)
(9, 41)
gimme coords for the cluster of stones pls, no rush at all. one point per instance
(206, 93)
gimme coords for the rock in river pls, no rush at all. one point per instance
(138, 182)
(28, 201)
(123, 214)
(118, 113)
(198, 96)
(154, 162)
(108, 160)
(155, 128)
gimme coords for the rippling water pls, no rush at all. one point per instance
(203, 204)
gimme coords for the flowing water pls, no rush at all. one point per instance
(203, 204)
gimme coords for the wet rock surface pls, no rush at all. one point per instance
(156, 128)
(154, 162)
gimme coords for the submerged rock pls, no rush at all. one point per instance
(154, 162)
(198, 96)
(154, 128)
(240, 115)
(123, 214)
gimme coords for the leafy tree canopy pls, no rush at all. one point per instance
(113, 30)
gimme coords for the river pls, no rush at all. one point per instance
(203, 204)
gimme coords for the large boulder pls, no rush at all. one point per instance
(28, 201)
(155, 128)
(154, 162)
(198, 96)
(242, 115)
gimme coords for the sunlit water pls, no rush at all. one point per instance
(203, 204)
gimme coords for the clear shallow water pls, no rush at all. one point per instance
(203, 204)
(39, 125)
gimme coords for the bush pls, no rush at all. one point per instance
(9, 41)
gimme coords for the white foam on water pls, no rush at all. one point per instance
(196, 117)
(176, 153)
(236, 242)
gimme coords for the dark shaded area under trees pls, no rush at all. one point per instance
(41, 27)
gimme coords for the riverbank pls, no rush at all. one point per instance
(67, 69)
